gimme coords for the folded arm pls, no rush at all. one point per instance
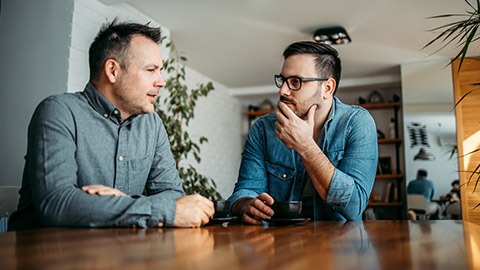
(59, 201)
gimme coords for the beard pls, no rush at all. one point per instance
(130, 99)
(301, 108)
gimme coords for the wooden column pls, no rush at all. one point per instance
(468, 134)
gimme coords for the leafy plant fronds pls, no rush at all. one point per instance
(462, 32)
(179, 104)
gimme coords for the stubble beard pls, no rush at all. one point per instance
(314, 99)
(128, 102)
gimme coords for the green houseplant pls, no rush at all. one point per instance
(176, 110)
(462, 33)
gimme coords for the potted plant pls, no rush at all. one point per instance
(462, 33)
(176, 110)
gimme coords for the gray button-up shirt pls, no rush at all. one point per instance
(79, 139)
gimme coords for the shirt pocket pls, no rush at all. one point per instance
(138, 171)
(280, 180)
(335, 156)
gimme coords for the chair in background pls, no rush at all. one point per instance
(422, 208)
(8, 203)
(454, 211)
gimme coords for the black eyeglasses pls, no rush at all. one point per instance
(294, 83)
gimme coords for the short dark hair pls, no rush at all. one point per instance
(455, 182)
(113, 42)
(422, 173)
(327, 62)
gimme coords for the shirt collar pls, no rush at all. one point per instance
(331, 114)
(100, 103)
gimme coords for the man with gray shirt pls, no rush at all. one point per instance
(91, 154)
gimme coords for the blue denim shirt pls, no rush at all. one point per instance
(421, 186)
(350, 143)
(79, 139)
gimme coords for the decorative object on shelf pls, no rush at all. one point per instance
(380, 134)
(176, 110)
(375, 97)
(266, 105)
(252, 108)
(391, 127)
(361, 100)
(385, 165)
(396, 98)
(332, 36)
(424, 155)
(418, 135)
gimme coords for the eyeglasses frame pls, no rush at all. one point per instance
(300, 78)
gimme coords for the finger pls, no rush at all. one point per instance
(286, 110)
(278, 125)
(280, 116)
(311, 114)
(113, 192)
(209, 210)
(248, 219)
(207, 206)
(256, 213)
(94, 187)
(205, 219)
(279, 134)
(266, 212)
(266, 198)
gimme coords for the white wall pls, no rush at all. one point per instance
(217, 117)
(34, 48)
(428, 99)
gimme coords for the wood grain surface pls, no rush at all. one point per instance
(309, 245)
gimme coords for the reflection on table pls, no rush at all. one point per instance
(326, 245)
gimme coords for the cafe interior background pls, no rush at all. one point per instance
(237, 45)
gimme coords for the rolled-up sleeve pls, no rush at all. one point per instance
(354, 176)
(252, 176)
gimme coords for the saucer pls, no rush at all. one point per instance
(221, 220)
(285, 221)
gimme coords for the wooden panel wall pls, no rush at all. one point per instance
(468, 134)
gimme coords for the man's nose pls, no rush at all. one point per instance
(284, 90)
(160, 82)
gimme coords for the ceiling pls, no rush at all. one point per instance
(240, 43)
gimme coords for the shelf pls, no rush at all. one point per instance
(259, 113)
(385, 204)
(380, 105)
(388, 176)
(391, 140)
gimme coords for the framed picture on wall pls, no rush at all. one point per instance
(385, 165)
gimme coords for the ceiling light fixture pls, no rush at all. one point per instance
(332, 36)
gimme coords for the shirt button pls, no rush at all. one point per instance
(115, 112)
(284, 176)
(120, 158)
(106, 115)
(160, 224)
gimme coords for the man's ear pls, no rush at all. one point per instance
(329, 87)
(111, 70)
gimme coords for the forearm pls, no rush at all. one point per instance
(72, 207)
(318, 167)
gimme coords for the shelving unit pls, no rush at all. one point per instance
(388, 207)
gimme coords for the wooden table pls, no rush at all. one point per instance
(310, 245)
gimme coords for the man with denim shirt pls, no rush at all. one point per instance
(91, 154)
(313, 148)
